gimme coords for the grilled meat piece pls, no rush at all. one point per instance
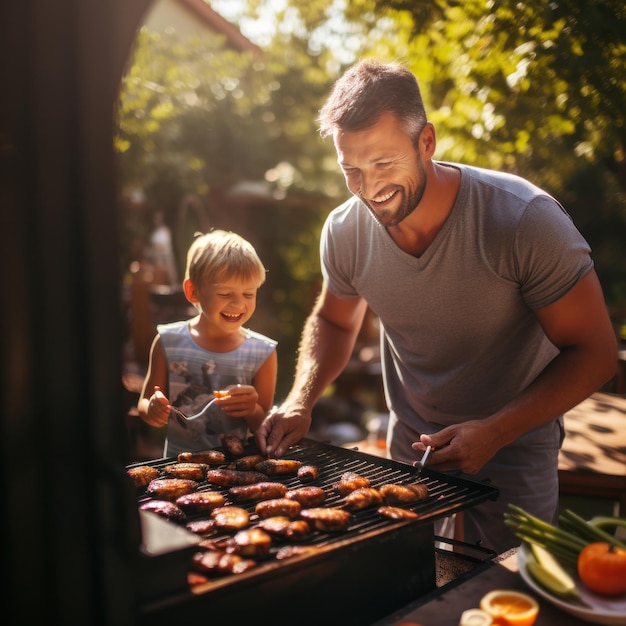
(233, 444)
(230, 517)
(327, 519)
(350, 481)
(170, 488)
(308, 473)
(164, 508)
(282, 526)
(142, 475)
(210, 457)
(363, 498)
(246, 462)
(258, 491)
(201, 526)
(396, 512)
(196, 578)
(200, 501)
(278, 467)
(309, 496)
(193, 471)
(219, 563)
(231, 478)
(278, 506)
(298, 530)
(404, 494)
(252, 542)
(288, 552)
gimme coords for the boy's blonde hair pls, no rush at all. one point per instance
(220, 255)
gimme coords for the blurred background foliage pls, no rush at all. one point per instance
(530, 87)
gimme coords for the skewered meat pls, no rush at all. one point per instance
(230, 517)
(170, 488)
(164, 508)
(246, 462)
(231, 478)
(362, 498)
(308, 497)
(252, 542)
(282, 526)
(200, 501)
(278, 506)
(233, 444)
(142, 474)
(308, 473)
(217, 562)
(288, 552)
(404, 494)
(193, 471)
(396, 512)
(201, 526)
(210, 457)
(258, 491)
(350, 481)
(278, 467)
(327, 519)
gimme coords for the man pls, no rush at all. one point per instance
(493, 322)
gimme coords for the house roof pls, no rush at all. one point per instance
(216, 22)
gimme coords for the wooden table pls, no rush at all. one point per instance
(593, 457)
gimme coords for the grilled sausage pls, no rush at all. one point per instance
(252, 542)
(201, 526)
(164, 508)
(231, 478)
(258, 491)
(210, 457)
(246, 462)
(142, 475)
(193, 471)
(396, 512)
(308, 473)
(278, 506)
(200, 501)
(287, 552)
(327, 519)
(404, 494)
(363, 498)
(282, 526)
(308, 497)
(277, 467)
(170, 488)
(218, 563)
(350, 481)
(230, 517)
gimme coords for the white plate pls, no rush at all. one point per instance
(611, 611)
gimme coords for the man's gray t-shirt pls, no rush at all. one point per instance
(459, 337)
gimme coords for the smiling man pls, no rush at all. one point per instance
(493, 322)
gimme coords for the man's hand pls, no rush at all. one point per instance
(465, 447)
(283, 427)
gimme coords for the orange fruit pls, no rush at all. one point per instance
(602, 568)
(509, 607)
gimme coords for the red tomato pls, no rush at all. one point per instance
(602, 568)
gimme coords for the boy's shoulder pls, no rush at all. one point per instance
(252, 335)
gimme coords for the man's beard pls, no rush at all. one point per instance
(408, 203)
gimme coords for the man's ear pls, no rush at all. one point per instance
(190, 291)
(428, 141)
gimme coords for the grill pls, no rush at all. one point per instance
(364, 573)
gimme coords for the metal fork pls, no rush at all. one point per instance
(195, 416)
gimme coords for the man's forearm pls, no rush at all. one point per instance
(324, 352)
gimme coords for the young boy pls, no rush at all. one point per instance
(194, 361)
